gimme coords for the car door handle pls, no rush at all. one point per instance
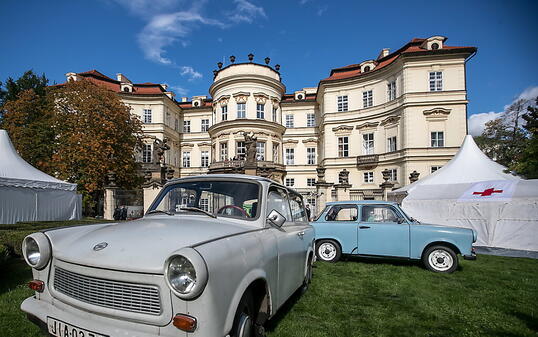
(300, 234)
(364, 227)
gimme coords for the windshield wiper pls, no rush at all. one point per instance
(159, 211)
(195, 209)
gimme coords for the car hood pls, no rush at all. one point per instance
(449, 229)
(141, 245)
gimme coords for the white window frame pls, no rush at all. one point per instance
(310, 155)
(275, 112)
(290, 156)
(342, 103)
(186, 126)
(393, 175)
(437, 139)
(260, 151)
(290, 182)
(224, 113)
(290, 121)
(204, 159)
(310, 120)
(147, 115)
(241, 110)
(260, 111)
(367, 99)
(392, 144)
(204, 204)
(436, 80)
(223, 147)
(368, 177)
(205, 125)
(186, 159)
(310, 182)
(391, 90)
(240, 150)
(368, 145)
(343, 146)
(147, 153)
(276, 152)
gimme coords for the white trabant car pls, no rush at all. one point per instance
(214, 255)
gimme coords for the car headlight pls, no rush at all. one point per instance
(186, 273)
(36, 250)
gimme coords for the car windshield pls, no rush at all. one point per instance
(221, 198)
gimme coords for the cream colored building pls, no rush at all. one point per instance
(403, 111)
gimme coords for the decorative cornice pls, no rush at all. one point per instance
(310, 140)
(260, 97)
(390, 120)
(343, 128)
(437, 112)
(367, 125)
(241, 97)
(187, 145)
(223, 100)
(204, 144)
(290, 141)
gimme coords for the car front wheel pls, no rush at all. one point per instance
(244, 317)
(328, 250)
(440, 259)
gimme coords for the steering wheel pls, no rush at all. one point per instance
(243, 212)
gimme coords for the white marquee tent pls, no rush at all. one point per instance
(473, 191)
(27, 194)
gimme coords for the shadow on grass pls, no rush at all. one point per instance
(530, 321)
(283, 311)
(14, 273)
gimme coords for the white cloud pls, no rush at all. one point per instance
(245, 12)
(477, 122)
(302, 2)
(190, 73)
(179, 90)
(322, 10)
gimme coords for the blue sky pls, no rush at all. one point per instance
(179, 42)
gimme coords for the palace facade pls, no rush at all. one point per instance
(403, 112)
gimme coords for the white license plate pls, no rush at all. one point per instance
(61, 329)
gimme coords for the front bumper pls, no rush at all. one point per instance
(471, 257)
(39, 310)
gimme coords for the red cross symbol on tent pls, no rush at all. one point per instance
(488, 192)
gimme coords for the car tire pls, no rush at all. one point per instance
(245, 317)
(440, 259)
(328, 250)
(308, 276)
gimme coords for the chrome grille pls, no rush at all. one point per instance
(118, 295)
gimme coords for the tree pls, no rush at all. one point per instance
(28, 120)
(95, 134)
(528, 165)
(29, 80)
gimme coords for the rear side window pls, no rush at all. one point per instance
(277, 199)
(297, 208)
(342, 213)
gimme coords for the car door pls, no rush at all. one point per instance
(380, 233)
(290, 245)
(340, 223)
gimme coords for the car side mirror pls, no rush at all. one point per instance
(401, 220)
(276, 219)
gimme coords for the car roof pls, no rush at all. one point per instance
(223, 176)
(362, 202)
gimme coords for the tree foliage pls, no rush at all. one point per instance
(95, 134)
(29, 80)
(528, 165)
(28, 120)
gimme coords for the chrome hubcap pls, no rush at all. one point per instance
(245, 325)
(327, 251)
(440, 260)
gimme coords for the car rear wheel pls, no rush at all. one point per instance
(328, 250)
(440, 259)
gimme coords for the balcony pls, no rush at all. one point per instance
(368, 161)
(263, 168)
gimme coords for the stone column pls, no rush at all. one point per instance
(110, 202)
(150, 192)
(342, 192)
(322, 189)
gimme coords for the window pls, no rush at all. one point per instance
(393, 175)
(260, 111)
(186, 126)
(311, 155)
(436, 81)
(176, 124)
(147, 115)
(290, 182)
(241, 110)
(240, 150)
(342, 213)
(343, 147)
(147, 153)
(204, 204)
(277, 200)
(310, 182)
(205, 158)
(274, 114)
(186, 159)
(368, 177)
(368, 143)
(367, 99)
(391, 90)
(342, 103)
(434, 168)
(391, 144)
(276, 156)
(260, 150)
(310, 120)
(438, 139)
(298, 211)
(224, 112)
(223, 151)
(290, 156)
(378, 213)
(289, 121)
(205, 125)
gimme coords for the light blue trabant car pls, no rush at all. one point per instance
(382, 229)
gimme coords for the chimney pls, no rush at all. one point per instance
(170, 94)
(71, 77)
(184, 99)
(122, 78)
(384, 52)
(164, 85)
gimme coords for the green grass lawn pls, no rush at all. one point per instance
(493, 296)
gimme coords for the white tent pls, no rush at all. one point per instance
(27, 194)
(473, 191)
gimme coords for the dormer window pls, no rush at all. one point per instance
(126, 89)
(196, 104)
(299, 96)
(435, 45)
(367, 68)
